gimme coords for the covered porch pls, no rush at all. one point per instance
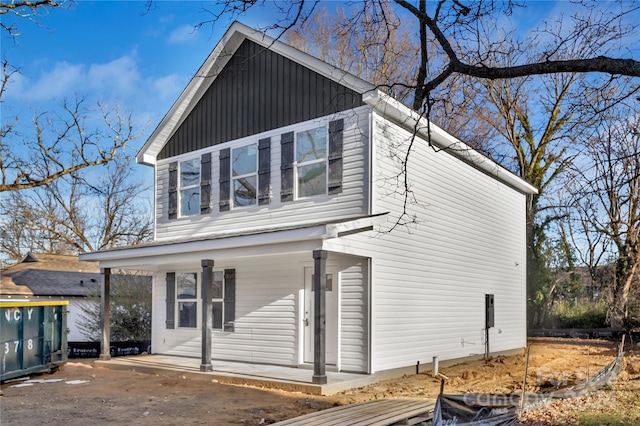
(302, 242)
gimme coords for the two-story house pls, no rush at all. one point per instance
(304, 217)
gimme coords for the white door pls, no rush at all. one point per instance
(331, 319)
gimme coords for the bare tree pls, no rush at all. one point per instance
(606, 193)
(26, 9)
(77, 214)
(457, 29)
(59, 144)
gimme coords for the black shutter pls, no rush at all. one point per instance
(173, 190)
(286, 167)
(205, 183)
(225, 179)
(264, 171)
(229, 299)
(335, 156)
(171, 300)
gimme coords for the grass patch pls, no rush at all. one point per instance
(578, 314)
(623, 409)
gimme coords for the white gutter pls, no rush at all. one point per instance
(414, 122)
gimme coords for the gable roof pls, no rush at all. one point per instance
(236, 36)
(39, 274)
(213, 67)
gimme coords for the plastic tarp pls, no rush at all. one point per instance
(480, 409)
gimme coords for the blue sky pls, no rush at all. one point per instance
(115, 52)
(122, 54)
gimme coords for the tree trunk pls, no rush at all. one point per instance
(625, 274)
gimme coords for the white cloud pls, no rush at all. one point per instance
(60, 81)
(117, 78)
(182, 34)
(168, 87)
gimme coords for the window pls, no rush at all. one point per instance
(223, 300)
(244, 171)
(311, 162)
(186, 295)
(190, 187)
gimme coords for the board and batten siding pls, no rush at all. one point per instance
(257, 90)
(429, 278)
(351, 202)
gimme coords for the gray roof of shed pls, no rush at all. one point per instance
(50, 275)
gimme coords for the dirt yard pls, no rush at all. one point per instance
(79, 394)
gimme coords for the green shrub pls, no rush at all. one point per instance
(579, 313)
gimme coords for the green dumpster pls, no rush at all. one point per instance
(33, 337)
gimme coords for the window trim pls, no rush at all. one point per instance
(297, 165)
(226, 326)
(255, 173)
(178, 301)
(181, 189)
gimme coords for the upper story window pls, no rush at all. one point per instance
(244, 171)
(190, 187)
(311, 162)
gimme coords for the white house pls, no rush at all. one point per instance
(279, 185)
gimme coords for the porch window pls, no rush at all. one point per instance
(223, 300)
(311, 162)
(190, 187)
(186, 295)
(244, 170)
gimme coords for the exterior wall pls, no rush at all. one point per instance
(74, 317)
(354, 314)
(351, 202)
(257, 90)
(266, 314)
(269, 293)
(429, 277)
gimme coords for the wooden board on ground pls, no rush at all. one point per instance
(381, 412)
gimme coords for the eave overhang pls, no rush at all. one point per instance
(258, 242)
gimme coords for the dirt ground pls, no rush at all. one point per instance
(80, 394)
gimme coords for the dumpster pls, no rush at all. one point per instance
(33, 337)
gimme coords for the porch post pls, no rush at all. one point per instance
(207, 283)
(319, 304)
(105, 304)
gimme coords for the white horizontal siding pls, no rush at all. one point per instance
(266, 322)
(354, 311)
(429, 277)
(75, 317)
(352, 201)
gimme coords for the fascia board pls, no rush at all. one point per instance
(312, 233)
(405, 117)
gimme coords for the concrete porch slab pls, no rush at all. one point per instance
(261, 375)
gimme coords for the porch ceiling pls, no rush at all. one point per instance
(247, 243)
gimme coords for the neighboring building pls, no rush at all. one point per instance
(273, 170)
(53, 277)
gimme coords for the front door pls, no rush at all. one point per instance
(331, 316)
